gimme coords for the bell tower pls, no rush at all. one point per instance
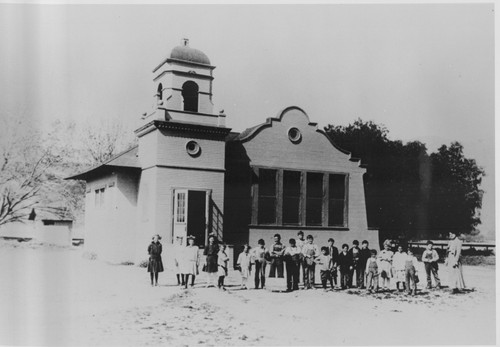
(183, 88)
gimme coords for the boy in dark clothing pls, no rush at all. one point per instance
(292, 260)
(276, 253)
(334, 253)
(345, 266)
(364, 255)
(354, 253)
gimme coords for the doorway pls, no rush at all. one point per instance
(190, 215)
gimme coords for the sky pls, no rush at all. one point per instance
(425, 71)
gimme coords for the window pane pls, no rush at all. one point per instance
(336, 213)
(267, 197)
(314, 211)
(337, 187)
(267, 182)
(314, 202)
(267, 210)
(291, 197)
(337, 200)
(314, 185)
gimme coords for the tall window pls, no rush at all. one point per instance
(99, 197)
(291, 197)
(301, 198)
(190, 96)
(337, 200)
(314, 198)
(267, 197)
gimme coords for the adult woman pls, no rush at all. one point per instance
(189, 263)
(455, 264)
(155, 265)
(211, 267)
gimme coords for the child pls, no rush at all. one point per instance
(309, 252)
(190, 261)
(177, 250)
(334, 253)
(430, 258)
(385, 265)
(371, 270)
(398, 265)
(245, 266)
(345, 266)
(364, 255)
(411, 272)
(325, 264)
(276, 254)
(259, 258)
(292, 260)
(300, 243)
(222, 263)
(354, 253)
(155, 265)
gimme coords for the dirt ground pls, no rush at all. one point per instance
(55, 296)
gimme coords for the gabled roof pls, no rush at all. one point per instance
(126, 159)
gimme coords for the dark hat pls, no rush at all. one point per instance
(159, 237)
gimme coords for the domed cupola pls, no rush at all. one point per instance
(183, 87)
(186, 53)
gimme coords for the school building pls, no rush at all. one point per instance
(190, 175)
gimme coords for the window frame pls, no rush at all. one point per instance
(325, 224)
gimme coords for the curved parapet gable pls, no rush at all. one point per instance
(293, 134)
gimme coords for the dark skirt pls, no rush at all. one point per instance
(212, 263)
(155, 264)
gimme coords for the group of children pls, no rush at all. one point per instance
(356, 266)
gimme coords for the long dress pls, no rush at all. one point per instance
(211, 252)
(189, 261)
(155, 264)
(455, 264)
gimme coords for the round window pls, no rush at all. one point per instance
(193, 148)
(294, 135)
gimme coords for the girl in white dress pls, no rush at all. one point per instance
(189, 262)
(385, 261)
(398, 265)
(245, 265)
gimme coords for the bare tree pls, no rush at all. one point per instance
(26, 164)
(106, 139)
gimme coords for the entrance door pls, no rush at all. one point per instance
(197, 221)
(180, 215)
(191, 215)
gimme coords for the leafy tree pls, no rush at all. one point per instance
(455, 196)
(404, 186)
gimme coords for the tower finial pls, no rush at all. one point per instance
(185, 41)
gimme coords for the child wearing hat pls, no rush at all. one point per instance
(155, 265)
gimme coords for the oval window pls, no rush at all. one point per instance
(294, 135)
(193, 148)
